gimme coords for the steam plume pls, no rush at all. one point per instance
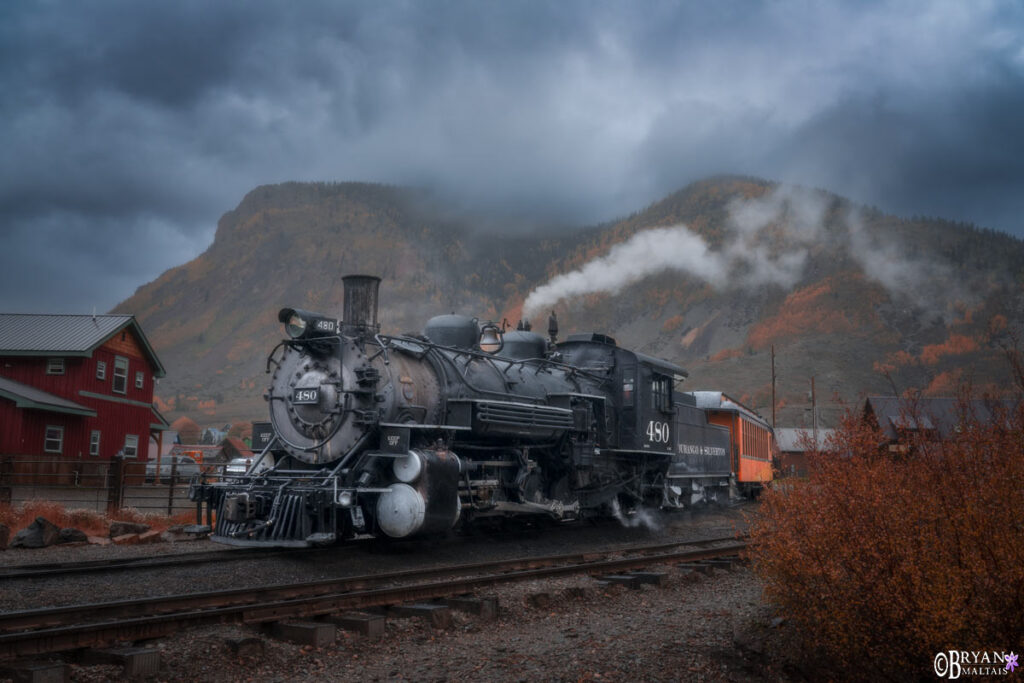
(646, 253)
(771, 237)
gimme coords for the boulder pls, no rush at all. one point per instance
(124, 528)
(69, 535)
(39, 534)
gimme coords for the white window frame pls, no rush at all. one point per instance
(140, 379)
(101, 369)
(661, 393)
(123, 375)
(131, 446)
(94, 442)
(59, 438)
(54, 366)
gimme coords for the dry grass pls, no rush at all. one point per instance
(93, 523)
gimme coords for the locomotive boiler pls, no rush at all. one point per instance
(398, 436)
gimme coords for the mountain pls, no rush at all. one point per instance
(857, 299)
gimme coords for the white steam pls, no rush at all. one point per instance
(640, 517)
(769, 243)
(646, 253)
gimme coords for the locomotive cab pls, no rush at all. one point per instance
(641, 387)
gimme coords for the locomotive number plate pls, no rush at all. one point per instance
(306, 396)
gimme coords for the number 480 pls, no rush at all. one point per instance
(657, 432)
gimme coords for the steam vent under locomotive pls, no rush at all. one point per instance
(398, 436)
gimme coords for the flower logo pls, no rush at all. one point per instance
(1011, 662)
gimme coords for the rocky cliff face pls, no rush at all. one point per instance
(711, 277)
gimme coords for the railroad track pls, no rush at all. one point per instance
(227, 554)
(42, 631)
(43, 570)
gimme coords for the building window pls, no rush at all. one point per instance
(661, 393)
(120, 375)
(54, 366)
(131, 446)
(54, 441)
(140, 379)
(101, 369)
(94, 442)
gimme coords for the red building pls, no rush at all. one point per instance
(77, 387)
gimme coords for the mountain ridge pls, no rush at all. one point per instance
(857, 298)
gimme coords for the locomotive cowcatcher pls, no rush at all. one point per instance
(398, 436)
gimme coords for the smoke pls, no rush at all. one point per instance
(769, 240)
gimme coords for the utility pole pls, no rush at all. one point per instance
(814, 413)
(773, 386)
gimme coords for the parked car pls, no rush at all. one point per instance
(183, 466)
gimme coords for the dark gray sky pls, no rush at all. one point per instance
(128, 127)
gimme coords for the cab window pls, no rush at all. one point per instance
(661, 393)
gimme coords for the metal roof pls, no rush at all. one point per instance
(717, 400)
(663, 366)
(791, 439)
(25, 396)
(161, 423)
(941, 415)
(37, 334)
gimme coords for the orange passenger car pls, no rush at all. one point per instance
(750, 436)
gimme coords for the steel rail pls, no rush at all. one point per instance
(229, 554)
(32, 571)
(52, 616)
(37, 632)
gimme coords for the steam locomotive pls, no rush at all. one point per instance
(399, 436)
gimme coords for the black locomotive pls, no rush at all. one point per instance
(397, 436)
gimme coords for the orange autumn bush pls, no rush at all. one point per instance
(885, 557)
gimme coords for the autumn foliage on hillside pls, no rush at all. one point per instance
(815, 309)
(885, 557)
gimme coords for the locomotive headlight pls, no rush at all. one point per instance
(295, 326)
(299, 323)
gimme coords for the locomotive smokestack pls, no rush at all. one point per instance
(553, 327)
(360, 313)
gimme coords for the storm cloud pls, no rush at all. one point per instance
(128, 128)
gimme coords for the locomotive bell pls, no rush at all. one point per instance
(490, 338)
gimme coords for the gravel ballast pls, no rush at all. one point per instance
(691, 628)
